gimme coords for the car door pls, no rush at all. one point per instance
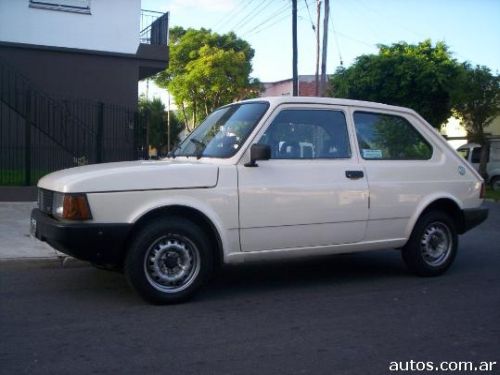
(402, 167)
(312, 192)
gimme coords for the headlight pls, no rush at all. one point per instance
(71, 206)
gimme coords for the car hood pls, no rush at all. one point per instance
(133, 175)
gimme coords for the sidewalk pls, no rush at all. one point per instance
(15, 240)
(16, 243)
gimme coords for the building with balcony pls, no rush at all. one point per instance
(90, 49)
(69, 73)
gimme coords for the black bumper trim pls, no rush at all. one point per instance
(473, 217)
(97, 243)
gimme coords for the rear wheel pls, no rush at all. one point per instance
(433, 244)
(168, 261)
(495, 183)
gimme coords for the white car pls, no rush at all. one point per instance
(263, 179)
(472, 153)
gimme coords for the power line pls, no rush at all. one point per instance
(229, 15)
(356, 40)
(310, 18)
(393, 20)
(259, 8)
(284, 17)
(372, 26)
(335, 37)
(256, 28)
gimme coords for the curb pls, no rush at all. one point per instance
(60, 261)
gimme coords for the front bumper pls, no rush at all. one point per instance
(102, 244)
(473, 217)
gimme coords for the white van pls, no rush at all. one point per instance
(472, 153)
(268, 178)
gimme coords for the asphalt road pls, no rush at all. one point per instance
(349, 314)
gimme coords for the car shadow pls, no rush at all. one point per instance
(344, 271)
(354, 269)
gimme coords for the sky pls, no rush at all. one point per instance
(471, 28)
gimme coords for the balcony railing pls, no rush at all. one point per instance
(154, 27)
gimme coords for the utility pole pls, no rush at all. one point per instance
(168, 125)
(294, 37)
(318, 14)
(325, 47)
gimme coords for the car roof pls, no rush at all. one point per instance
(469, 145)
(276, 100)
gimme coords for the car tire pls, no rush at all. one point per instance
(433, 244)
(495, 183)
(168, 260)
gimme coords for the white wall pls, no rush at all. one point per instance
(112, 26)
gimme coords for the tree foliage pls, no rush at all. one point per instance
(476, 100)
(419, 76)
(207, 70)
(156, 119)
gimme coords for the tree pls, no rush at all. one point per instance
(477, 101)
(155, 116)
(419, 76)
(207, 70)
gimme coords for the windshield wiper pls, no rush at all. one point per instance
(200, 147)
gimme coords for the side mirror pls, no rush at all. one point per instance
(258, 151)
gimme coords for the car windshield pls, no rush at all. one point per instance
(223, 132)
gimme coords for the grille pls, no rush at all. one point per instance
(45, 198)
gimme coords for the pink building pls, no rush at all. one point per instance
(307, 87)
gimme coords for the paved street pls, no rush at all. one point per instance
(349, 314)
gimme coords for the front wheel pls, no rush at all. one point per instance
(168, 261)
(432, 246)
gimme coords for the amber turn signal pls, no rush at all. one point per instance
(76, 207)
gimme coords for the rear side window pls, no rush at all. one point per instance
(308, 134)
(389, 137)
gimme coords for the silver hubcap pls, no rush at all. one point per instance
(172, 264)
(436, 244)
(496, 184)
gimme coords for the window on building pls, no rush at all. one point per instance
(78, 6)
(388, 137)
(308, 134)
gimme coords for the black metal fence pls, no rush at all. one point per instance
(40, 134)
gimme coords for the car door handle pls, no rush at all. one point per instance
(354, 175)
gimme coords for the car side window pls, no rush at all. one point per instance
(308, 134)
(476, 155)
(495, 151)
(389, 137)
(464, 152)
